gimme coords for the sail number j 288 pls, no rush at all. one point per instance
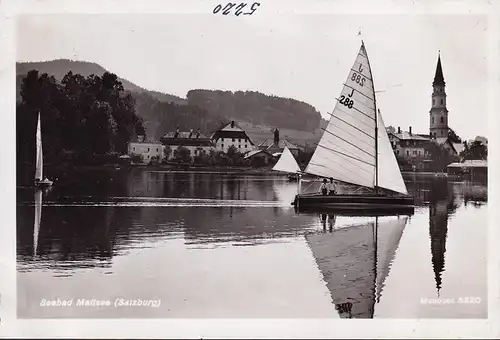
(346, 101)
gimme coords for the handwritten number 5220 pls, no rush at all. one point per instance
(238, 10)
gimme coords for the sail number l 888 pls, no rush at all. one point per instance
(358, 78)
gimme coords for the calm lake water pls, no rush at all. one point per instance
(190, 245)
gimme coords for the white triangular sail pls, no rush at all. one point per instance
(39, 153)
(287, 162)
(346, 150)
(38, 218)
(389, 175)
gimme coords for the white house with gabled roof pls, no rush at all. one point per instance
(231, 134)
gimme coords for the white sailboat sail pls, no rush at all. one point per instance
(389, 175)
(38, 218)
(287, 162)
(39, 153)
(346, 150)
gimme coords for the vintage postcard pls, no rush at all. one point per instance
(270, 168)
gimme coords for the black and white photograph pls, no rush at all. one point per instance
(256, 160)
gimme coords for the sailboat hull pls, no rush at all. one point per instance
(44, 184)
(354, 204)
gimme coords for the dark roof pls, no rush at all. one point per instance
(253, 153)
(183, 134)
(438, 78)
(184, 139)
(230, 134)
(187, 142)
(444, 140)
(223, 125)
(144, 142)
(407, 136)
(270, 144)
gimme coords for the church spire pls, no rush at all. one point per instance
(438, 78)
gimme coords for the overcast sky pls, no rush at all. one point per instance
(303, 56)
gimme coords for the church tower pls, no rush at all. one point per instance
(438, 125)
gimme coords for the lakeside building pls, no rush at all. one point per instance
(148, 150)
(412, 147)
(195, 142)
(474, 168)
(277, 145)
(231, 134)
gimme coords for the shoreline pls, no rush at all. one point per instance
(214, 170)
(169, 169)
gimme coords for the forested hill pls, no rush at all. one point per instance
(257, 108)
(60, 67)
(204, 109)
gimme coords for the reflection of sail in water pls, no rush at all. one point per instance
(38, 218)
(389, 235)
(284, 192)
(355, 262)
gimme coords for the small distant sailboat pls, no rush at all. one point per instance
(355, 150)
(441, 175)
(40, 182)
(287, 163)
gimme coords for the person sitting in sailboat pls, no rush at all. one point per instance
(332, 187)
(324, 187)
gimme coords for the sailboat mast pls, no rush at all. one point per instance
(376, 148)
(376, 120)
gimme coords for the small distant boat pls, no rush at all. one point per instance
(40, 182)
(441, 175)
(355, 149)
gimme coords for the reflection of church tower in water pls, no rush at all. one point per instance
(440, 208)
(438, 229)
